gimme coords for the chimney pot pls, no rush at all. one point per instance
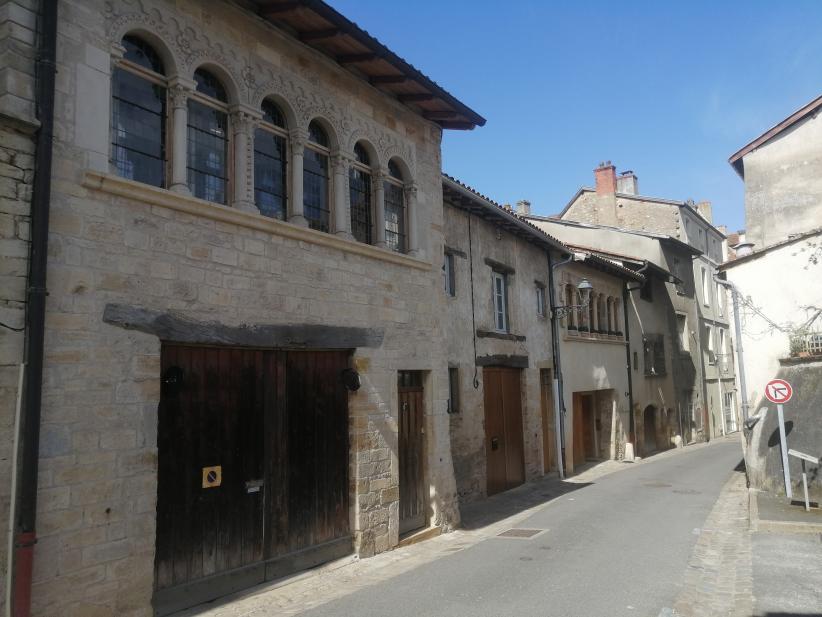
(524, 207)
(605, 177)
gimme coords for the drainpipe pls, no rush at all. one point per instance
(559, 400)
(631, 428)
(739, 354)
(35, 310)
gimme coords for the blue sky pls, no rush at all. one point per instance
(669, 90)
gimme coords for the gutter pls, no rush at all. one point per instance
(739, 353)
(36, 293)
(559, 399)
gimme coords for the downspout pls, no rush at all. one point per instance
(35, 310)
(625, 293)
(739, 353)
(559, 400)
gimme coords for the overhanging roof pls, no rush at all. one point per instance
(321, 27)
(466, 198)
(767, 249)
(799, 114)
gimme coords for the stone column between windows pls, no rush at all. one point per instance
(342, 215)
(411, 218)
(178, 95)
(243, 123)
(378, 178)
(298, 138)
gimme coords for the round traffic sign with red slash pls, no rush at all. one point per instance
(778, 391)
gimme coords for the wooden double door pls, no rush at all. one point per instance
(584, 427)
(253, 469)
(504, 449)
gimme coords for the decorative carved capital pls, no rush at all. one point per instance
(298, 138)
(178, 95)
(411, 191)
(243, 122)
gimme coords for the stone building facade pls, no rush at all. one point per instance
(18, 124)
(616, 202)
(194, 263)
(782, 172)
(484, 244)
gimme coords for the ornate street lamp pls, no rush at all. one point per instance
(584, 292)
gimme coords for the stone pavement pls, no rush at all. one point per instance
(480, 520)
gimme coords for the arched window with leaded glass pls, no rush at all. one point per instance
(316, 201)
(138, 114)
(610, 309)
(270, 154)
(395, 210)
(362, 207)
(208, 138)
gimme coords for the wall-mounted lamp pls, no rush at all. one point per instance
(584, 292)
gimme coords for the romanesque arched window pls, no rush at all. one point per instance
(270, 154)
(315, 178)
(395, 210)
(359, 181)
(138, 114)
(208, 138)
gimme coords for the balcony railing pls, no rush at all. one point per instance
(806, 344)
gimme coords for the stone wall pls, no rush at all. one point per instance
(529, 264)
(115, 241)
(783, 184)
(17, 126)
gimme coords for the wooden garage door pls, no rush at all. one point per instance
(253, 469)
(503, 429)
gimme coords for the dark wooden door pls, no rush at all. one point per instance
(411, 450)
(253, 469)
(649, 430)
(505, 467)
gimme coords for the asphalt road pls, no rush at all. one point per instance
(617, 547)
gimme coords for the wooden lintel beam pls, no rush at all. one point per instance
(439, 115)
(278, 9)
(416, 97)
(354, 58)
(319, 35)
(377, 80)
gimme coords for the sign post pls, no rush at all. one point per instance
(812, 459)
(780, 391)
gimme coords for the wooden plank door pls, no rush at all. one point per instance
(411, 450)
(578, 431)
(588, 426)
(549, 459)
(503, 429)
(210, 452)
(512, 412)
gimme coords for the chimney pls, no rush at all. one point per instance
(605, 176)
(705, 210)
(523, 207)
(628, 183)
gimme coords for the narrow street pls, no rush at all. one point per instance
(618, 546)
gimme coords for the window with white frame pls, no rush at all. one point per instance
(500, 293)
(706, 288)
(540, 294)
(709, 335)
(138, 114)
(684, 334)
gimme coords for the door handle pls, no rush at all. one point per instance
(254, 486)
(494, 443)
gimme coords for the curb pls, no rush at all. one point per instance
(768, 526)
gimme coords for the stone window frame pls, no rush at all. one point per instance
(243, 120)
(499, 297)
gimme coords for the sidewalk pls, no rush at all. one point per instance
(744, 564)
(480, 520)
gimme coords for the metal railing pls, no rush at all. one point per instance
(806, 344)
